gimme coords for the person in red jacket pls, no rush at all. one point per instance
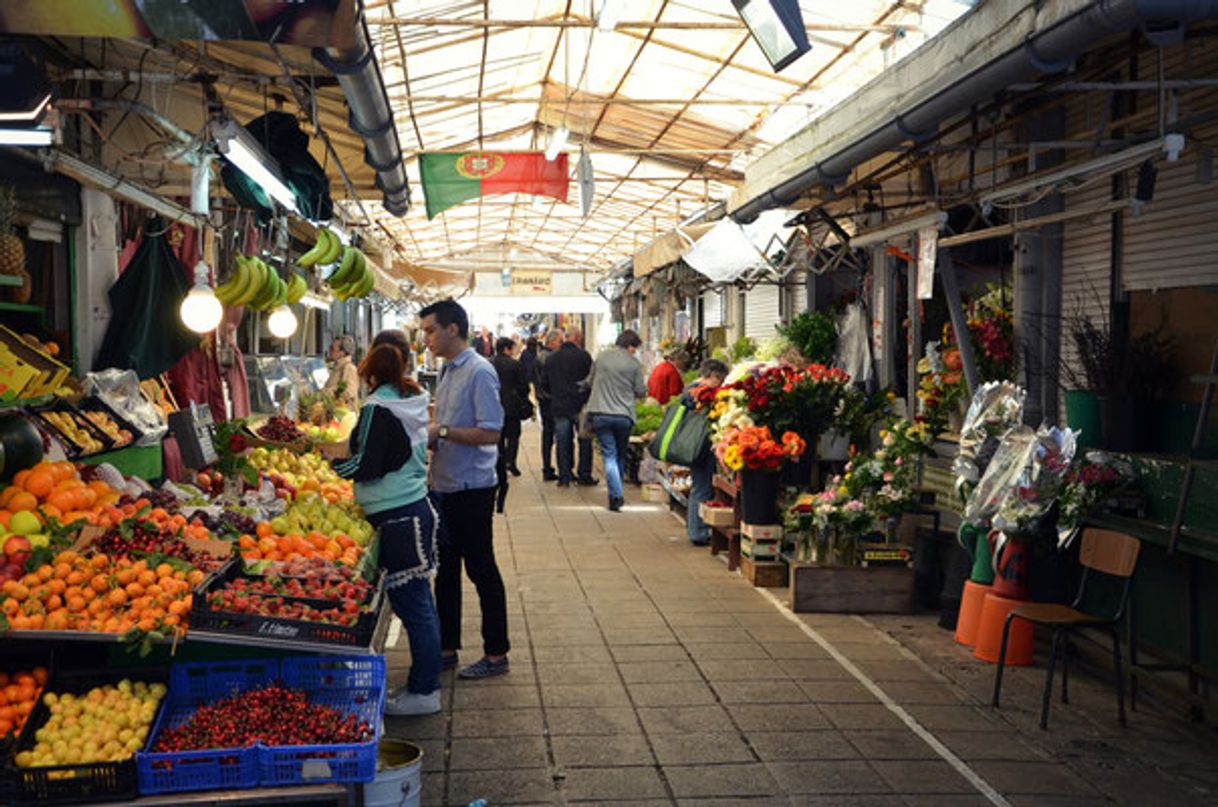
(665, 382)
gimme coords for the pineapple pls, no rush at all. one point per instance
(12, 250)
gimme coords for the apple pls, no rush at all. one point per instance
(23, 522)
(15, 544)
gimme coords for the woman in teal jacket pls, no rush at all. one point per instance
(388, 464)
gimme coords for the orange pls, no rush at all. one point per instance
(40, 482)
(20, 477)
(7, 494)
(63, 470)
(100, 488)
(24, 500)
(85, 498)
(264, 530)
(63, 500)
(5, 515)
(50, 511)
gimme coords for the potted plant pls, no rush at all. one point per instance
(813, 334)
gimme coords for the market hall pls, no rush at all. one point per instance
(607, 402)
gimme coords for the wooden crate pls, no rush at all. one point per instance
(764, 573)
(761, 550)
(655, 492)
(851, 589)
(761, 532)
(716, 516)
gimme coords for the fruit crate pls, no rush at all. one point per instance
(70, 446)
(21, 656)
(202, 618)
(99, 781)
(355, 685)
(92, 403)
(190, 686)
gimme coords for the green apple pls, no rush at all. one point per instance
(23, 522)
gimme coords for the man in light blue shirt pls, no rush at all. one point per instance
(464, 436)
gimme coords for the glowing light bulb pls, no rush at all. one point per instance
(200, 310)
(282, 322)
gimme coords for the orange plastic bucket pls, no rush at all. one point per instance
(971, 602)
(989, 633)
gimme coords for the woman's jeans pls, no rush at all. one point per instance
(702, 475)
(613, 433)
(408, 555)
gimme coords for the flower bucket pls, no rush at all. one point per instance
(1011, 571)
(759, 496)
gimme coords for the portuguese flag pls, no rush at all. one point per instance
(450, 177)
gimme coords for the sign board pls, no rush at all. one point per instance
(928, 252)
(532, 281)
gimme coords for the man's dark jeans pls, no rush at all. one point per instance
(564, 446)
(547, 438)
(466, 536)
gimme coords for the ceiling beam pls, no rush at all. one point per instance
(657, 25)
(499, 98)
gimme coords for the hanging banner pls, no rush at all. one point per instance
(312, 23)
(928, 253)
(450, 178)
(532, 281)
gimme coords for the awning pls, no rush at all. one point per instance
(731, 249)
(668, 248)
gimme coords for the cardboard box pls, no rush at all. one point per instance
(15, 374)
(760, 550)
(49, 373)
(716, 516)
(654, 493)
(762, 532)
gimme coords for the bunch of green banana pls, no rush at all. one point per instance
(326, 251)
(353, 278)
(258, 286)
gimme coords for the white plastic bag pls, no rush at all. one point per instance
(854, 344)
(120, 390)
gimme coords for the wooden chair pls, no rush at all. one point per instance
(1105, 551)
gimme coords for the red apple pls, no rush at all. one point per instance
(16, 544)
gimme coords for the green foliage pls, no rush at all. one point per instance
(743, 348)
(647, 416)
(814, 334)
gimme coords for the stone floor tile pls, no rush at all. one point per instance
(836, 691)
(595, 652)
(923, 776)
(503, 697)
(800, 648)
(497, 723)
(699, 619)
(684, 719)
(957, 718)
(1040, 778)
(903, 670)
(607, 784)
(611, 751)
(814, 669)
(412, 728)
(630, 653)
(890, 744)
(434, 754)
(704, 748)
(561, 695)
(432, 789)
(882, 650)
(759, 692)
(696, 781)
(728, 648)
(639, 636)
(778, 717)
(577, 674)
(658, 672)
(780, 631)
(917, 692)
(736, 801)
(828, 777)
(470, 754)
(742, 670)
(861, 716)
(945, 800)
(681, 693)
(974, 745)
(784, 746)
(521, 786)
(582, 721)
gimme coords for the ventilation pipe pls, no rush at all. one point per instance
(1052, 50)
(370, 115)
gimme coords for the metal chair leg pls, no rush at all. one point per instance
(1048, 694)
(1002, 658)
(1120, 675)
(1065, 665)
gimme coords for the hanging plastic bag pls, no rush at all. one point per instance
(120, 390)
(854, 344)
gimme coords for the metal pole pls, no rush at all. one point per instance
(955, 307)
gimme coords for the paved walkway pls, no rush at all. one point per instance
(643, 672)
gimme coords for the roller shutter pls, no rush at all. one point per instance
(761, 312)
(1086, 269)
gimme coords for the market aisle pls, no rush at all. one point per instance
(644, 672)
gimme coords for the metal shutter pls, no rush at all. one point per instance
(1173, 242)
(1086, 270)
(712, 309)
(761, 312)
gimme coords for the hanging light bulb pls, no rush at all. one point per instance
(557, 141)
(200, 310)
(282, 322)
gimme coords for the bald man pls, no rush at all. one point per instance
(554, 338)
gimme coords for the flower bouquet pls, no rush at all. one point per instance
(753, 451)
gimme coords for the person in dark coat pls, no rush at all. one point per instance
(528, 357)
(514, 395)
(554, 339)
(564, 378)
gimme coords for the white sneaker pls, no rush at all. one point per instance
(408, 704)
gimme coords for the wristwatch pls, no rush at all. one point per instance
(443, 432)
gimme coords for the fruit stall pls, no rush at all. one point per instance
(220, 634)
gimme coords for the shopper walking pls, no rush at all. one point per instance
(464, 436)
(701, 473)
(665, 381)
(514, 396)
(617, 382)
(484, 343)
(388, 464)
(583, 431)
(343, 382)
(563, 378)
(528, 357)
(554, 339)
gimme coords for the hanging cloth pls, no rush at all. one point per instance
(145, 333)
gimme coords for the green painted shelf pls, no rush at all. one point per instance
(10, 280)
(34, 309)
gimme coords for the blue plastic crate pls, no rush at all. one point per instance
(190, 686)
(355, 685)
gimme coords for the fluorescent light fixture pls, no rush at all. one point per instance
(27, 137)
(777, 27)
(32, 115)
(200, 310)
(557, 141)
(240, 148)
(282, 322)
(608, 15)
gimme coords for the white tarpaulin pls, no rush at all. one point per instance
(731, 249)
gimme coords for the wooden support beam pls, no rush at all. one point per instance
(660, 25)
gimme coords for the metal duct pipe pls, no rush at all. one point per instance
(1050, 51)
(370, 115)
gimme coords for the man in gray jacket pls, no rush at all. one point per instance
(617, 382)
